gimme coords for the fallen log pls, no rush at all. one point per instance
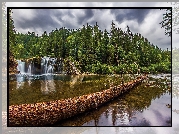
(44, 113)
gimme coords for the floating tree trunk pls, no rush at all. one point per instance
(44, 113)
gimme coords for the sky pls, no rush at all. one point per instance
(143, 21)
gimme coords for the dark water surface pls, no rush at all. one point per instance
(145, 105)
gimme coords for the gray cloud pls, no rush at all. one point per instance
(144, 21)
(88, 13)
(130, 14)
(42, 19)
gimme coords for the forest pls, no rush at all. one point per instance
(93, 50)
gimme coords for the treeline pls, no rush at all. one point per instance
(94, 50)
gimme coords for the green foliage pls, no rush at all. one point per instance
(94, 50)
(163, 67)
(100, 68)
(144, 70)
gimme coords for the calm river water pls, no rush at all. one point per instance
(146, 105)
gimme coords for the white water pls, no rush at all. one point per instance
(49, 69)
(29, 69)
(21, 67)
(46, 67)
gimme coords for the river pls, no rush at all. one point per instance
(146, 105)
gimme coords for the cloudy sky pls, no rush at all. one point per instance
(144, 21)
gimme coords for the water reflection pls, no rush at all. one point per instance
(75, 79)
(20, 81)
(47, 85)
(51, 87)
(106, 130)
(144, 105)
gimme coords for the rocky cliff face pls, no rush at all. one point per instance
(70, 68)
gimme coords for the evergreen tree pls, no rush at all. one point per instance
(94, 50)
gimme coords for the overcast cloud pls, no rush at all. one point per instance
(144, 21)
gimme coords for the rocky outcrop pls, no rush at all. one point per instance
(12, 64)
(70, 68)
(44, 113)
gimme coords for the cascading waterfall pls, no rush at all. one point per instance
(21, 66)
(43, 65)
(47, 66)
(49, 69)
(29, 69)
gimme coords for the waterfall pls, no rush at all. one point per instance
(43, 65)
(49, 69)
(47, 65)
(21, 67)
(29, 71)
